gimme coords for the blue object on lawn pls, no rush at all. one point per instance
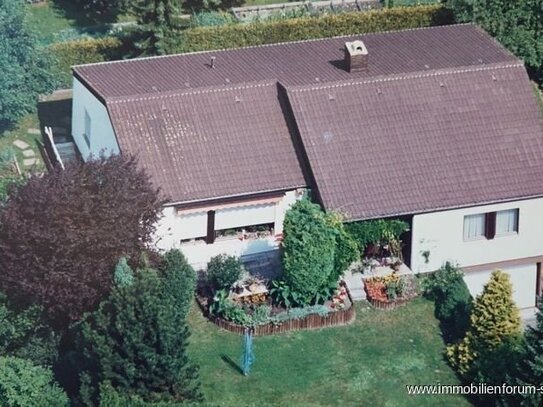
(247, 358)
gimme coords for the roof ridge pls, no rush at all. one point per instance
(398, 77)
(120, 61)
(192, 91)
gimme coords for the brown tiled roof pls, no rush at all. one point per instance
(210, 143)
(414, 143)
(297, 63)
(444, 117)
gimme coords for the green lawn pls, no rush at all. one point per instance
(20, 132)
(367, 363)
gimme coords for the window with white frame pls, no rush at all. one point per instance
(507, 222)
(87, 133)
(474, 226)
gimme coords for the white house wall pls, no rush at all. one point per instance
(174, 227)
(102, 135)
(442, 235)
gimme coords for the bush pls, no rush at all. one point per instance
(223, 271)
(308, 250)
(86, 51)
(346, 247)
(377, 232)
(24, 385)
(494, 319)
(241, 35)
(452, 299)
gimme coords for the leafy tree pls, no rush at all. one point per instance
(137, 340)
(23, 384)
(223, 271)
(531, 367)
(181, 279)
(308, 250)
(62, 233)
(494, 319)
(24, 65)
(517, 24)
(160, 25)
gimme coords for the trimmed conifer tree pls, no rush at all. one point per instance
(137, 339)
(494, 319)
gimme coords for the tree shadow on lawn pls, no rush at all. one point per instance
(233, 365)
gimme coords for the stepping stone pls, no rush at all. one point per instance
(21, 144)
(34, 131)
(27, 162)
(29, 153)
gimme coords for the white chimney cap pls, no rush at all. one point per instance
(356, 48)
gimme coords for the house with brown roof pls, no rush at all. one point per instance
(439, 126)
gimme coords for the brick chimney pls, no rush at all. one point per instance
(356, 56)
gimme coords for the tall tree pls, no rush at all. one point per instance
(137, 340)
(24, 65)
(62, 233)
(160, 25)
(517, 24)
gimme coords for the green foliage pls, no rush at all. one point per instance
(447, 288)
(530, 370)
(223, 271)
(346, 247)
(181, 279)
(86, 51)
(160, 25)
(517, 24)
(7, 183)
(23, 384)
(104, 11)
(225, 308)
(211, 19)
(25, 334)
(300, 313)
(494, 319)
(308, 250)
(138, 338)
(283, 295)
(123, 276)
(240, 35)
(24, 65)
(377, 232)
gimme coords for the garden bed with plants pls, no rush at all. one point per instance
(390, 291)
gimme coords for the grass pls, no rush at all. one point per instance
(48, 20)
(366, 363)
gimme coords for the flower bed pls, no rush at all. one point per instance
(390, 291)
(339, 311)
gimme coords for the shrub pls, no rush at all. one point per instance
(494, 319)
(23, 384)
(223, 271)
(85, 51)
(308, 250)
(452, 299)
(283, 295)
(97, 211)
(346, 247)
(241, 35)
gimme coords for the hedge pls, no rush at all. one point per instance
(241, 35)
(67, 54)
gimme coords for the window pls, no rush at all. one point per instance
(507, 222)
(490, 224)
(87, 133)
(474, 226)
